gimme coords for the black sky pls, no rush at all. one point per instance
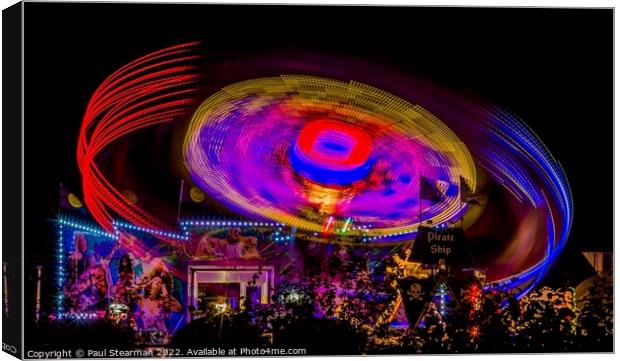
(552, 67)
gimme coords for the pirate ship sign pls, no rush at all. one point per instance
(433, 244)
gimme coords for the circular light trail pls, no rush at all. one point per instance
(310, 152)
(150, 90)
(270, 147)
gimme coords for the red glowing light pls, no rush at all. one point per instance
(474, 333)
(150, 90)
(354, 144)
(474, 292)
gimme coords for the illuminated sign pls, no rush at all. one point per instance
(434, 244)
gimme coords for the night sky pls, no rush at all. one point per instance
(553, 68)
